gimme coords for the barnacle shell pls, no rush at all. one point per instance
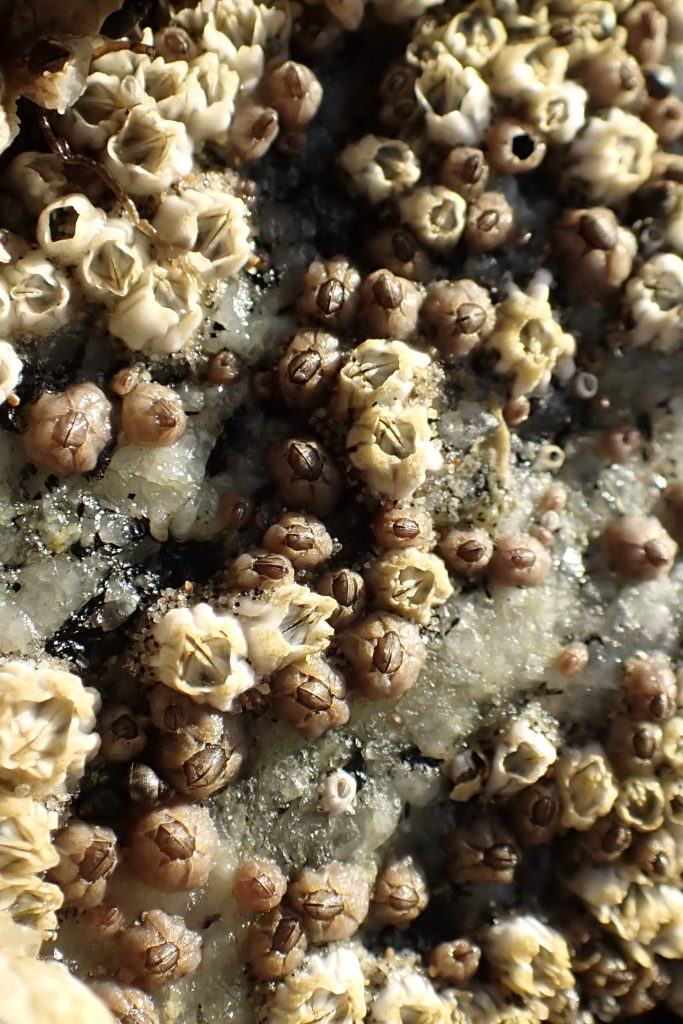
(114, 261)
(530, 959)
(611, 157)
(213, 224)
(40, 294)
(654, 299)
(392, 449)
(522, 754)
(329, 986)
(160, 312)
(408, 995)
(379, 372)
(409, 582)
(43, 991)
(88, 221)
(10, 369)
(379, 167)
(25, 846)
(456, 101)
(586, 786)
(148, 153)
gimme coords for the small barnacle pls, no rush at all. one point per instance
(403, 526)
(379, 372)
(332, 902)
(46, 722)
(31, 903)
(529, 958)
(305, 475)
(611, 157)
(468, 772)
(586, 786)
(520, 560)
(385, 653)
(557, 110)
(612, 77)
(149, 153)
(173, 848)
(379, 168)
(465, 170)
(639, 547)
(208, 98)
(467, 553)
(672, 742)
(259, 569)
(597, 253)
(526, 64)
(258, 885)
(392, 449)
(656, 855)
(529, 341)
(25, 845)
(329, 293)
(533, 813)
(409, 582)
(88, 856)
(455, 962)
(461, 315)
(254, 129)
(300, 538)
(606, 840)
(650, 688)
(122, 733)
(635, 747)
(481, 851)
(294, 92)
(67, 227)
(225, 368)
(522, 753)
(474, 36)
(159, 950)
(38, 178)
(113, 262)
(40, 295)
(653, 298)
(104, 922)
(101, 109)
(338, 793)
(514, 146)
(389, 305)
(128, 1004)
(205, 754)
(307, 368)
(640, 804)
(67, 432)
(397, 250)
(347, 588)
(490, 222)
(400, 894)
(310, 695)
(435, 215)
(456, 101)
(672, 788)
(214, 225)
(409, 995)
(275, 944)
(201, 653)
(152, 415)
(160, 311)
(328, 986)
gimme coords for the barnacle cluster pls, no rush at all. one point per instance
(342, 501)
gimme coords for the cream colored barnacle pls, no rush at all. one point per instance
(379, 167)
(213, 224)
(586, 786)
(149, 153)
(31, 903)
(10, 370)
(435, 214)
(46, 722)
(43, 991)
(409, 582)
(474, 36)
(56, 88)
(328, 987)
(408, 995)
(40, 294)
(522, 753)
(393, 450)
(202, 653)
(379, 372)
(654, 303)
(526, 65)
(25, 846)
(456, 101)
(113, 262)
(557, 110)
(37, 179)
(161, 311)
(101, 109)
(530, 959)
(67, 227)
(611, 157)
(218, 86)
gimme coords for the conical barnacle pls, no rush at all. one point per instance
(217, 88)
(522, 753)
(202, 653)
(407, 995)
(149, 153)
(586, 786)
(329, 985)
(392, 449)
(557, 110)
(409, 582)
(526, 65)
(213, 225)
(113, 262)
(435, 214)
(530, 959)
(379, 372)
(101, 109)
(473, 36)
(610, 158)
(41, 294)
(67, 432)
(67, 228)
(30, 902)
(456, 101)
(59, 86)
(37, 178)
(653, 300)
(378, 167)
(160, 312)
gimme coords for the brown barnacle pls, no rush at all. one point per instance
(88, 856)
(258, 885)
(490, 222)
(122, 733)
(665, 117)
(385, 653)
(435, 214)
(310, 695)
(465, 170)
(294, 92)
(253, 130)
(225, 368)
(461, 315)
(348, 590)
(398, 250)
(649, 687)
(586, 786)
(67, 432)
(482, 851)
(514, 146)
(259, 569)
(389, 305)
(516, 410)
(403, 526)
(466, 552)
(307, 368)
(455, 962)
(127, 378)
(300, 538)
(159, 950)
(634, 747)
(656, 854)
(533, 813)
(647, 30)
(305, 475)
(275, 944)
(329, 293)
(639, 547)
(620, 443)
(604, 975)
(103, 921)
(152, 416)
(332, 901)
(606, 840)
(205, 755)
(572, 660)
(173, 848)
(640, 803)
(612, 77)
(595, 251)
(235, 511)
(128, 1004)
(145, 787)
(400, 894)
(468, 771)
(519, 560)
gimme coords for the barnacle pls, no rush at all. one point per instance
(456, 101)
(41, 991)
(654, 303)
(328, 985)
(610, 157)
(379, 372)
(408, 994)
(392, 449)
(409, 582)
(159, 313)
(531, 959)
(379, 167)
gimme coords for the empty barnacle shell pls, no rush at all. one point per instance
(586, 786)
(378, 167)
(409, 582)
(522, 753)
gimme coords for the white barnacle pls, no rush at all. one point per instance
(7, 318)
(42, 991)
(338, 793)
(114, 261)
(202, 653)
(101, 109)
(67, 227)
(668, 942)
(473, 36)
(654, 303)
(149, 153)
(409, 582)
(46, 722)
(175, 97)
(240, 31)
(160, 312)
(456, 101)
(212, 226)
(526, 65)
(10, 368)
(40, 294)
(31, 903)
(522, 753)
(435, 214)
(219, 86)
(379, 167)
(529, 341)
(58, 88)
(329, 987)
(25, 846)
(408, 996)
(392, 449)
(611, 157)
(37, 179)
(557, 110)
(586, 786)
(379, 372)
(397, 11)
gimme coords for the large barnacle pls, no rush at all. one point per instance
(329, 985)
